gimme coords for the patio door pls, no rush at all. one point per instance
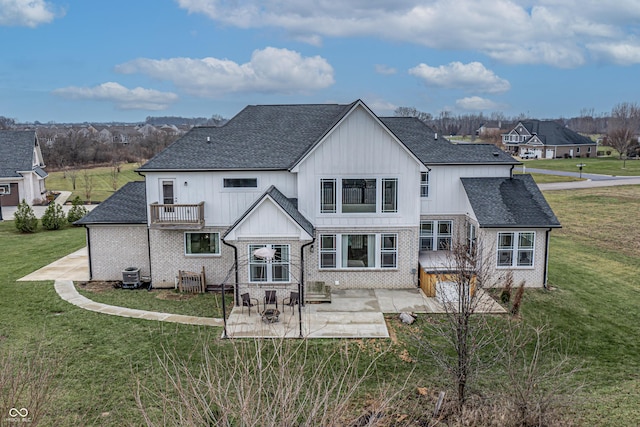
(168, 194)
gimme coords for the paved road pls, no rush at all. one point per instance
(591, 180)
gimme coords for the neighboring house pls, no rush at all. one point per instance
(547, 139)
(21, 168)
(337, 194)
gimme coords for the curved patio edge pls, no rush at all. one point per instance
(68, 292)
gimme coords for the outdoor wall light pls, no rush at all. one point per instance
(185, 183)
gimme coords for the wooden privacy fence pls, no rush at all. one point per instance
(191, 282)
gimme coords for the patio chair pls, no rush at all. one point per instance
(270, 298)
(247, 301)
(292, 300)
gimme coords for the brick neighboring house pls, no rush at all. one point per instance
(338, 194)
(545, 139)
(21, 168)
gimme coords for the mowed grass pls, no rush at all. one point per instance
(102, 181)
(542, 178)
(597, 165)
(160, 300)
(592, 308)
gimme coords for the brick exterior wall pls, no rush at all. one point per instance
(532, 276)
(256, 289)
(396, 278)
(168, 256)
(114, 248)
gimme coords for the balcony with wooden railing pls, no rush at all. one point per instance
(179, 217)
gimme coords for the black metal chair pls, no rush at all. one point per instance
(270, 299)
(292, 300)
(247, 301)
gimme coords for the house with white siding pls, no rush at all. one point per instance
(339, 195)
(21, 168)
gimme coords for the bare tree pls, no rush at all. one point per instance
(623, 128)
(87, 179)
(261, 383)
(462, 336)
(115, 171)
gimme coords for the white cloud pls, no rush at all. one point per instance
(270, 70)
(623, 53)
(554, 32)
(385, 70)
(476, 103)
(26, 13)
(126, 99)
(472, 76)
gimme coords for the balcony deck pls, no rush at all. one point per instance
(177, 216)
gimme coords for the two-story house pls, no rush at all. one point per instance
(546, 139)
(21, 168)
(335, 193)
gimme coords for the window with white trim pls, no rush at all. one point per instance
(270, 270)
(5, 189)
(389, 195)
(327, 196)
(359, 195)
(328, 251)
(516, 249)
(436, 235)
(202, 243)
(359, 251)
(388, 250)
(471, 238)
(424, 184)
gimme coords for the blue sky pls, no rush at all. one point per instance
(124, 60)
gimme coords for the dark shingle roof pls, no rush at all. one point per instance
(509, 202)
(553, 133)
(420, 139)
(278, 136)
(128, 205)
(259, 137)
(286, 204)
(16, 152)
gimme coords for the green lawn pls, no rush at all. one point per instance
(161, 300)
(603, 166)
(543, 178)
(593, 307)
(102, 182)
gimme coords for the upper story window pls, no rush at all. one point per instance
(389, 195)
(327, 196)
(515, 249)
(202, 243)
(359, 195)
(240, 182)
(424, 184)
(436, 235)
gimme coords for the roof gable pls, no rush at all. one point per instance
(18, 152)
(356, 106)
(553, 133)
(280, 214)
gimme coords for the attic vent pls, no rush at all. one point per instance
(496, 154)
